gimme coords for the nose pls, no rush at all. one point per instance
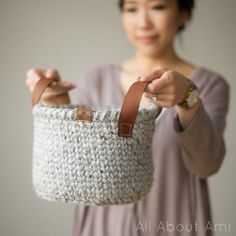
(144, 21)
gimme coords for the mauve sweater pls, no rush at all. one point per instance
(178, 203)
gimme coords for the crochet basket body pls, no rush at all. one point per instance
(87, 162)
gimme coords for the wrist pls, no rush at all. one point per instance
(186, 116)
(182, 108)
(191, 96)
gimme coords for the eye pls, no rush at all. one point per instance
(130, 9)
(159, 7)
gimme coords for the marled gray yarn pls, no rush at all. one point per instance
(87, 162)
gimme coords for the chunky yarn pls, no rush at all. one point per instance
(87, 162)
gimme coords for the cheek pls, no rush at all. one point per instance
(167, 24)
(128, 25)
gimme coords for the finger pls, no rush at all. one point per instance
(158, 85)
(30, 84)
(53, 74)
(153, 75)
(162, 103)
(62, 84)
(67, 84)
(35, 74)
(160, 96)
(49, 93)
(162, 100)
(60, 87)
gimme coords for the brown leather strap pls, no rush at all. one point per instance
(129, 109)
(40, 87)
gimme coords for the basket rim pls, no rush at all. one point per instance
(99, 113)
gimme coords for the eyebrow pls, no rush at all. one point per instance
(130, 1)
(135, 1)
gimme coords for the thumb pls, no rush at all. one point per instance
(153, 75)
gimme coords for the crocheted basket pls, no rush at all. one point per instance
(93, 156)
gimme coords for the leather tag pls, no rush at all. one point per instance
(84, 114)
(125, 130)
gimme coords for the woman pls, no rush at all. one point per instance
(188, 144)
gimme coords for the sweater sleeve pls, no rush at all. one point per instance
(203, 146)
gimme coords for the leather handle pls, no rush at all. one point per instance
(130, 106)
(129, 109)
(39, 88)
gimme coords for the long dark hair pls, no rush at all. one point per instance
(183, 5)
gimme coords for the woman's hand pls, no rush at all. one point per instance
(168, 86)
(57, 92)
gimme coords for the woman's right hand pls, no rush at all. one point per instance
(57, 92)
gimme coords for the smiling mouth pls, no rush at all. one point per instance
(147, 39)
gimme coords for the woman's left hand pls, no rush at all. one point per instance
(168, 86)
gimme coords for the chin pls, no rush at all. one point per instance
(150, 51)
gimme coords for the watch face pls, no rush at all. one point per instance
(193, 97)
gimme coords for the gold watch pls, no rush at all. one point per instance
(191, 96)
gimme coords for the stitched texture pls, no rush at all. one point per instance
(87, 162)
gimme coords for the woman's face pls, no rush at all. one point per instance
(151, 25)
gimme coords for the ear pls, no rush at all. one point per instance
(183, 18)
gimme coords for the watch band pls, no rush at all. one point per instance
(191, 88)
